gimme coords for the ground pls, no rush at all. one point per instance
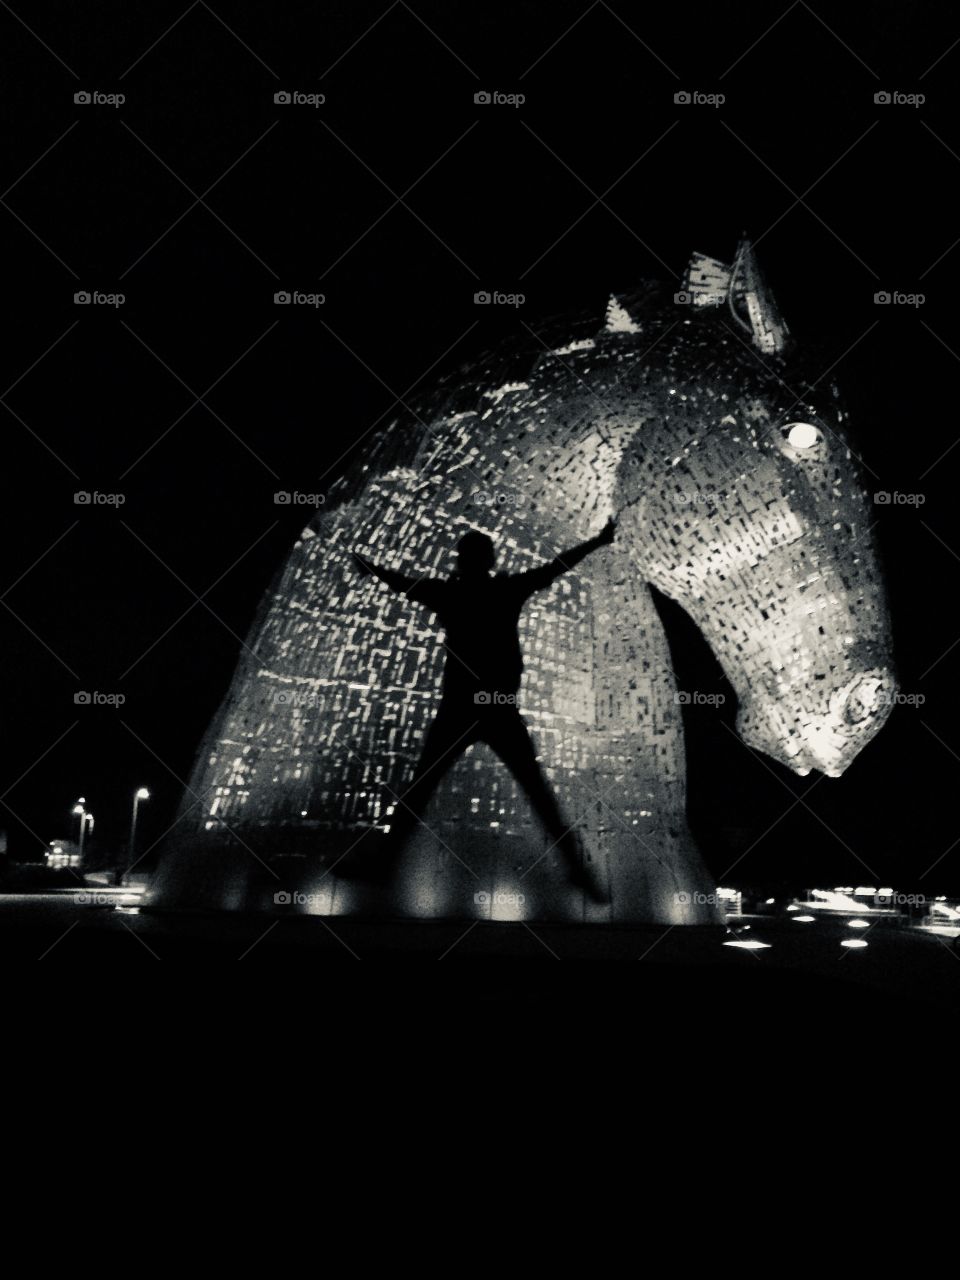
(803, 973)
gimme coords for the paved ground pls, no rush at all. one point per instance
(803, 970)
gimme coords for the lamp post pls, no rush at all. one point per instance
(81, 813)
(140, 794)
(86, 824)
(78, 810)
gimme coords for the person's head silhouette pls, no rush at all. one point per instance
(475, 555)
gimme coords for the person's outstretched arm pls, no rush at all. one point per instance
(420, 589)
(537, 579)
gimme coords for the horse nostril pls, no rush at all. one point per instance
(864, 700)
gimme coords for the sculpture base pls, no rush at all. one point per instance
(493, 878)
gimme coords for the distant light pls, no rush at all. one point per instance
(81, 799)
(836, 900)
(143, 794)
(804, 919)
(802, 435)
(771, 901)
(78, 808)
(793, 907)
(857, 924)
(303, 813)
(863, 891)
(854, 942)
(748, 944)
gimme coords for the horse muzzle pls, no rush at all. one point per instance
(826, 732)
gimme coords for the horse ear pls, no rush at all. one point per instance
(749, 294)
(708, 282)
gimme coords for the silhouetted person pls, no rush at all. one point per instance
(480, 612)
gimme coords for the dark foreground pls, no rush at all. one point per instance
(803, 973)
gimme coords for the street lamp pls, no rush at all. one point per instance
(78, 810)
(85, 819)
(140, 794)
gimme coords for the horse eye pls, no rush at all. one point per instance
(802, 435)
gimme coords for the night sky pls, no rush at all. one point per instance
(199, 197)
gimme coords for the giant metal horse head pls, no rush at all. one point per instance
(687, 415)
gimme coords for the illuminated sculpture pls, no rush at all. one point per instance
(736, 497)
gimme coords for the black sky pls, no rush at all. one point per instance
(597, 181)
